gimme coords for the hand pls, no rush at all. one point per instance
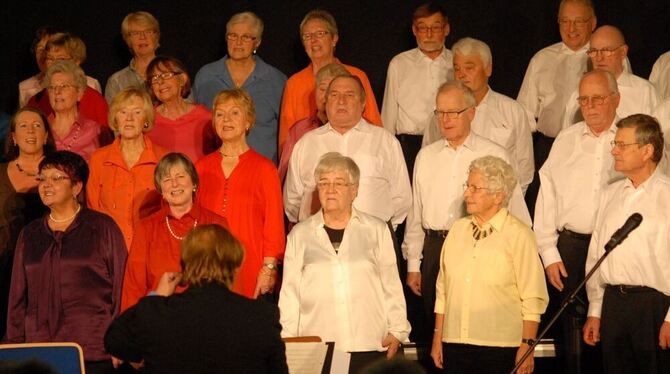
(393, 344)
(414, 282)
(664, 335)
(137, 365)
(265, 282)
(554, 273)
(436, 351)
(592, 330)
(116, 362)
(528, 364)
(168, 282)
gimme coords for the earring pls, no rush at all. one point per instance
(194, 189)
(254, 50)
(146, 125)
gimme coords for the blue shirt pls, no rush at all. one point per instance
(265, 85)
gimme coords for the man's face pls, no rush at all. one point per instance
(575, 23)
(629, 157)
(597, 102)
(605, 41)
(344, 106)
(470, 70)
(430, 32)
(455, 130)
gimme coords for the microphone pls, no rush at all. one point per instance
(621, 234)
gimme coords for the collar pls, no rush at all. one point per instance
(362, 126)
(566, 50)
(485, 100)
(625, 80)
(319, 222)
(612, 129)
(470, 142)
(645, 186)
(444, 55)
(193, 214)
(115, 157)
(497, 221)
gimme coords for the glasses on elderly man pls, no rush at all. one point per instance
(620, 145)
(423, 29)
(578, 22)
(163, 76)
(452, 114)
(604, 52)
(593, 100)
(244, 37)
(316, 35)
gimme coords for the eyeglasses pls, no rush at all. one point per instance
(337, 185)
(604, 52)
(244, 37)
(452, 114)
(620, 145)
(472, 187)
(163, 76)
(41, 178)
(578, 22)
(316, 34)
(143, 33)
(60, 87)
(596, 100)
(56, 59)
(423, 29)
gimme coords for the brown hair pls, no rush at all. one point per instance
(122, 98)
(169, 64)
(647, 131)
(12, 150)
(210, 254)
(241, 98)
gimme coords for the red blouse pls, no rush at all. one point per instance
(250, 199)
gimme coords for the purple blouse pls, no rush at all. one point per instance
(66, 286)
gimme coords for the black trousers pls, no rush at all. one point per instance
(629, 328)
(410, 144)
(430, 268)
(541, 147)
(361, 361)
(473, 359)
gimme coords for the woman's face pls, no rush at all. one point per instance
(40, 53)
(318, 48)
(336, 193)
(480, 202)
(239, 49)
(30, 134)
(56, 53)
(177, 187)
(167, 83)
(230, 121)
(63, 92)
(130, 118)
(142, 39)
(56, 187)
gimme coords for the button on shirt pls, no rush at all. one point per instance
(384, 190)
(643, 259)
(437, 201)
(353, 297)
(411, 85)
(487, 288)
(578, 168)
(637, 96)
(660, 75)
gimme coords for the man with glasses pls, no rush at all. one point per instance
(413, 78)
(608, 52)
(439, 173)
(578, 169)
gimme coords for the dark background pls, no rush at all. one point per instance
(371, 33)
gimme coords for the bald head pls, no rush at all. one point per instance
(608, 40)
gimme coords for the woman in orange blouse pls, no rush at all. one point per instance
(156, 245)
(121, 180)
(241, 185)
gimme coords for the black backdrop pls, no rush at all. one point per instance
(371, 33)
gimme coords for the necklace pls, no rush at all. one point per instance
(51, 217)
(478, 233)
(77, 128)
(167, 223)
(21, 170)
(230, 156)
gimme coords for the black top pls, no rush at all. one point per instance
(335, 236)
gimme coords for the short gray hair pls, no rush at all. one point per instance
(498, 175)
(66, 67)
(468, 95)
(323, 16)
(250, 17)
(471, 46)
(335, 161)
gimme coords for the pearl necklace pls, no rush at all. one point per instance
(167, 223)
(51, 217)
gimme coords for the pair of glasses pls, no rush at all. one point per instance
(604, 52)
(244, 37)
(163, 76)
(423, 29)
(314, 35)
(451, 114)
(143, 33)
(60, 87)
(41, 178)
(578, 22)
(620, 145)
(57, 59)
(337, 185)
(472, 187)
(596, 100)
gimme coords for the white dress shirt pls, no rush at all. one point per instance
(662, 114)
(439, 174)
(642, 259)
(411, 85)
(637, 96)
(353, 297)
(578, 168)
(384, 190)
(660, 75)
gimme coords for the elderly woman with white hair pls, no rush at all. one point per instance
(491, 290)
(341, 282)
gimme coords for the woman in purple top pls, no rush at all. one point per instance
(68, 267)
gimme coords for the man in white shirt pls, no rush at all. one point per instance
(578, 168)
(608, 52)
(413, 78)
(440, 171)
(629, 294)
(385, 190)
(660, 75)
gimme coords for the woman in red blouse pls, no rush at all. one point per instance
(241, 185)
(155, 246)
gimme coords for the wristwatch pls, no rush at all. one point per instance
(527, 341)
(270, 265)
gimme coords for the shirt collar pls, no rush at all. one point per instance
(645, 186)
(566, 50)
(193, 214)
(361, 126)
(146, 157)
(470, 142)
(625, 80)
(497, 221)
(319, 223)
(612, 129)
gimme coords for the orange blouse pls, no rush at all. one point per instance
(127, 195)
(299, 100)
(250, 199)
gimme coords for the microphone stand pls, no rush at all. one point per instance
(567, 302)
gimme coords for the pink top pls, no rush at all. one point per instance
(191, 134)
(296, 132)
(84, 138)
